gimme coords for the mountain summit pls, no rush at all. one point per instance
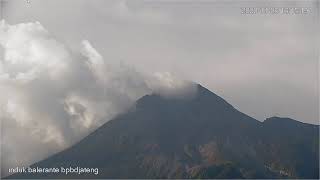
(199, 137)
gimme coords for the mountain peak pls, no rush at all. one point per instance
(283, 122)
(201, 94)
(276, 119)
(198, 137)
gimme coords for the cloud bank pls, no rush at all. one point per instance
(52, 96)
(264, 65)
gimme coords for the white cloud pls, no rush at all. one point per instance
(29, 49)
(170, 86)
(52, 96)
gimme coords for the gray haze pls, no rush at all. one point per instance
(67, 67)
(264, 65)
(51, 96)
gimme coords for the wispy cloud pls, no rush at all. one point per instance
(52, 96)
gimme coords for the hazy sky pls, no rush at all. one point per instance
(68, 66)
(264, 65)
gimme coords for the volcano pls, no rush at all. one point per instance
(198, 137)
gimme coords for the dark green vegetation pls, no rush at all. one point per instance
(202, 137)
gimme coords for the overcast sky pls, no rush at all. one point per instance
(68, 66)
(264, 65)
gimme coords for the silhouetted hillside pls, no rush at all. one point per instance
(199, 137)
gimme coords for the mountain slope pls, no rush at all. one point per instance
(199, 137)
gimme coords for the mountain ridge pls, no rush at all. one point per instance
(199, 137)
